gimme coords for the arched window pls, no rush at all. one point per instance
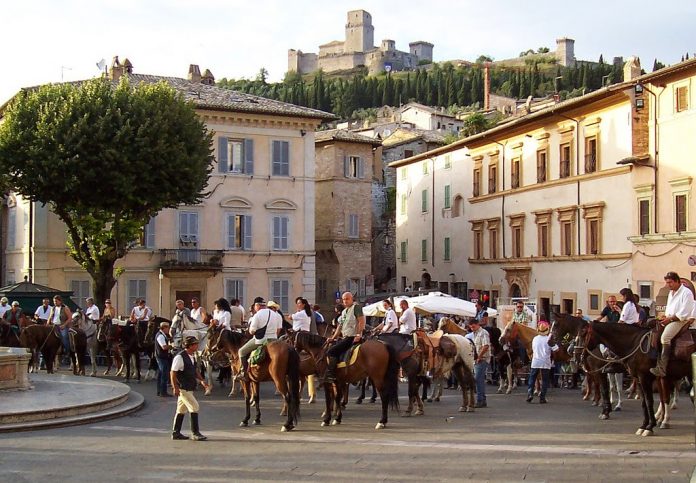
(458, 206)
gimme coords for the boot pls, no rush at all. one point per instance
(330, 374)
(176, 430)
(244, 373)
(195, 433)
(660, 370)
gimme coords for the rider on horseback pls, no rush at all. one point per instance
(265, 326)
(680, 304)
(351, 325)
(61, 317)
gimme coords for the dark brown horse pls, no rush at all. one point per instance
(281, 365)
(47, 340)
(374, 360)
(107, 343)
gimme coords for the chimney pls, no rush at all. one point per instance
(208, 78)
(116, 70)
(127, 66)
(631, 69)
(194, 73)
(486, 86)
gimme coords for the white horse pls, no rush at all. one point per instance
(81, 321)
(186, 326)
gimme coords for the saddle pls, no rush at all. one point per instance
(349, 357)
(435, 349)
(683, 344)
(403, 344)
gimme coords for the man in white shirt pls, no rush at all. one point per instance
(680, 304)
(92, 311)
(141, 314)
(482, 342)
(541, 362)
(4, 306)
(265, 326)
(407, 321)
(185, 377)
(42, 311)
(92, 316)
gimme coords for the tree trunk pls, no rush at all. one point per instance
(104, 282)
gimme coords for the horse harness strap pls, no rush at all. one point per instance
(644, 338)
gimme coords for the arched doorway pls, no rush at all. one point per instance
(426, 279)
(515, 290)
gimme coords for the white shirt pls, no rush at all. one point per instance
(269, 319)
(4, 308)
(42, 313)
(407, 321)
(93, 312)
(301, 321)
(143, 314)
(693, 317)
(482, 339)
(680, 303)
(161, 339)
(541, 358)
(391, 322)
(223, 317)
(178, 362)
(56, 315)
(629, 314)
(196, 315)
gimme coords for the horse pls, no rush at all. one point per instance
(216, 356)
(374, 360)
(90, 329)
(107, 343)
(281, 364)
(464, 368)
(131, 341)
(9, 336)
(632, 345)
(47, 340)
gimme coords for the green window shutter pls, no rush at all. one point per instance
(424, 250)
(448, 201)
(447, 249)
(222, 155)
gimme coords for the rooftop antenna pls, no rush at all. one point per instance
(63, 68)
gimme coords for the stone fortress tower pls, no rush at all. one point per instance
(358, 49)
(565, 51)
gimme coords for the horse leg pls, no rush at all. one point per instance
(385, 405)
(603, 390)
(246, 389)
(510, 376)
(373, 398)
(666, 390)
(418, 400)
(618, 380)
(328, 398)
(208, 377)
(411, 389)
(362, 385)
(649, 421)
(675, 395)
(340, 396)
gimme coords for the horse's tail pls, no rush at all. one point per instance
(293, 384)
(390, 386)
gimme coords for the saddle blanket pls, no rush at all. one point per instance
(350, 356)
(258, 355)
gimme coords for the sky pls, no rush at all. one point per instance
(44, 41)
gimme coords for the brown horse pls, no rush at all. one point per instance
(281, 365)
(107, 343)
(374, 360)
(47, 340)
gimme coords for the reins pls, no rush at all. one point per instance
(644, 338)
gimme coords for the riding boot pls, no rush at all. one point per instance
(660, 370)
(244, 373)
(330, 375)
(176, 430)
(195, 433)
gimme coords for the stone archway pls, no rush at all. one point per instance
(515, 290)
(518, 280)
(426, 279)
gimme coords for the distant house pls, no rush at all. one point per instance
(430, 118)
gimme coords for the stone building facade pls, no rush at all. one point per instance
(345, 172)
(358, 49)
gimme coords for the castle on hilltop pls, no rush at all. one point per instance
(358, 49)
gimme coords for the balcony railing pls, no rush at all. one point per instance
(590, 163)
(191, 259)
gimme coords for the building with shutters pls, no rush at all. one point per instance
(253, 236)
(347, 166)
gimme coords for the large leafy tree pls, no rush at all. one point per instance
(105, 158)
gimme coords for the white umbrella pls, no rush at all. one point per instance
(450, 306)
(377, 309)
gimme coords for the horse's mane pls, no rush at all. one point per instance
(310, 340)
(235, 338)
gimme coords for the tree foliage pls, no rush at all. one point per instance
(105, 158)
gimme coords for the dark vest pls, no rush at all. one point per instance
(161, 353)
(187, 377)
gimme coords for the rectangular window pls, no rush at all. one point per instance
(564, 171)
(682, 99)
(404, 172)
(147, 237)
(81, 290)
(188, 237)
(425, 167)
(404, 251)
(448, 161)
(492, 178)
(478, 245)
(541, 166)
(424, 201)
(644, 216)
(322, 290)
(353, 231)
(137, 289)
(595, 297)
(280, 156)
(404, 204)
(448, 197)
(517, 242)
(12, 228)
(280, 232)
(493, 243)
(279, 293)
(680, 213)
(515, 175)
(645, 290)
(544, 239)
(593, 237)
(408, 153)
(234, 289)
(447, 249)
(567, 238)
(354, 167)
(477, 182)
(235, 155)
(424, 250)
(591, 154)
(238, 232)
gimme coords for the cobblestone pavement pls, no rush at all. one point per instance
(508, 441)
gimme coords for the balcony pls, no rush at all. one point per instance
(191, 259)
(590, 163)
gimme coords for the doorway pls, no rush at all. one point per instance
(187, 295)
(515, 291)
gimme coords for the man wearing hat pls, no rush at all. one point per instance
(163, 352)
(265, 326)
(541, 362)
(4, 306)
(482, 342)
(185, 378)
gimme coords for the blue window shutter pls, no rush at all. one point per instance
(222, 155)
(183, 227)
(284, 231)
(249, 156)
(247, 232)
(361, 168)
(346, 166)
(231, 231)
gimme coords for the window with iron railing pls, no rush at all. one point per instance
(591, 155)
(564, 171)
(644, 216)
(541, 166)
(477, 182)
(492, 179)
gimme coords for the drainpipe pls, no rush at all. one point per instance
(502, 191)
(432, 218)
(656, 132)
(31, 242)
(577, 170)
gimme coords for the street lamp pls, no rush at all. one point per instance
(161, 276)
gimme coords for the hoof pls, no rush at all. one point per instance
(335, 422)
(324, 424)
(462, 409)
(208, 391)
(509, 391)
(311, 400)
(429, 400)
(437, 399)
(256, 422)
(243, 424)
(500, 391)
(418, 413)
(665, 426)
(285, 429)
(639, 432)
(585, 398)
(470, 409)
(647, 432)
(358, 401)
(617, 408)
(603, 417)
(595, 403)
(380, 426)
(406, 414)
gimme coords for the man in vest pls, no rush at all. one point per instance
(351, 324)
(61, 317)
(185, 378)
(163, 352)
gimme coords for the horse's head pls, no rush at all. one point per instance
(509, 333)
(444, 324)
(153, 326)
(309, 342)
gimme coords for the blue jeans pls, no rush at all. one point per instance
(544, 381)
(480, 376)
(66, 339)
(165, 366)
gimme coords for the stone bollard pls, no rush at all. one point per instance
(14, 368)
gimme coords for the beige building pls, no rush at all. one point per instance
(347, 165)
(254, 236)
(538, 207)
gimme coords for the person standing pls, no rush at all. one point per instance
(61, 317)
(163, 352)
(42, 311)
(198, 313)
(185, 377)
(391, 321)
(629, 313)
(541, 362)
(611, 312)
(236, 314)
(349, 331)
(265, 326)
(4, 306)
(482, 343)
(407, 321)
(680, 305)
